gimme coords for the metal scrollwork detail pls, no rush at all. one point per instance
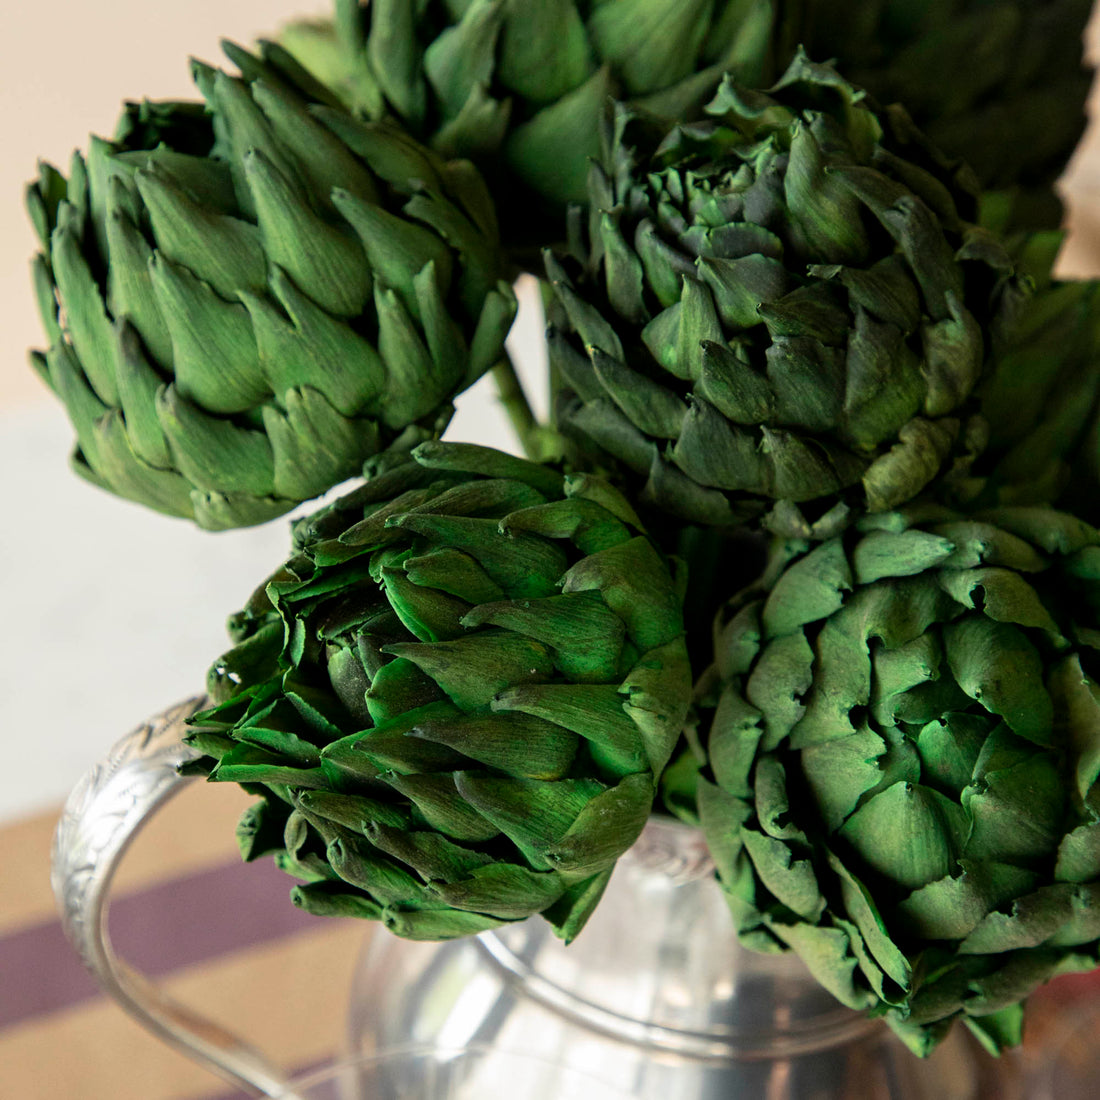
(104, 810)
(104, 813)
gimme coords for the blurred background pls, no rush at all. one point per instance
(110, 613)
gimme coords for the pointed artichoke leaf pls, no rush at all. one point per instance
(651, 44)
(545, 151)
(534, 814)
(473, 669)
(841, 771)
(811, 589)
(86, 321)
(619, 574)
(998, 666)
(912, 835)
(586, 635)
(952, 907)
(860, 904)
(325, 261)
(827, 952)
(520, 745)
(593, 711)
(789, 878)
(502, 890)
(215, 359)
(436, 924)
(899, 475)
(605, 828)
(1033, 919)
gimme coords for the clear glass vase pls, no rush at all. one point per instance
(433, 1073)
(658, 998)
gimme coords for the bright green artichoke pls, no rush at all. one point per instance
(519, 85)
(784, 306)
(1000, 84)
(902, 735)
(246, 298)
(457, 696)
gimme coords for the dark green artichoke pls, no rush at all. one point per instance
(1042, 397)
(787, 305)
(902, 735)
(246, 298)
(457, 696)
(1000, 84)
(523, 82)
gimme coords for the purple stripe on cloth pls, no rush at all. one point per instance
(159, 930)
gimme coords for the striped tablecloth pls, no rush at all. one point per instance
(222, 937)
(218, 935)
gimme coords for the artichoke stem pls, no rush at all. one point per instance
(540, 443)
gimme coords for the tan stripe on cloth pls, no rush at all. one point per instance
(288, 999)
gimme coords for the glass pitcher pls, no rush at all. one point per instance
(655, 998)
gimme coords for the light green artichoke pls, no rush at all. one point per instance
(456, 697)
(784, 306)
(902, 734)
(519, 84)
(246, 298)
(1000, 84)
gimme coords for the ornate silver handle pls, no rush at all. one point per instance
(102, 816)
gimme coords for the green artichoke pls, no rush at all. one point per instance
(456, 697)
(902, 735)
(246, 299)
(998, 83)
(522, 82)
(785, 305)
(1042, 397)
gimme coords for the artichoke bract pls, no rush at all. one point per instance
(522, 82)
(1002, 85)
(1042, 397)
(456, 698)
(785, 305)
(901, 733)
(246, 297)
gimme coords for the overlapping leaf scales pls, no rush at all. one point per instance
(467, 683)
(260, 292)
(787, 304)
(901, 760)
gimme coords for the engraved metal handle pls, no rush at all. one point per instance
(104, 813)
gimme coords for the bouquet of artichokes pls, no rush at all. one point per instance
(785, 317)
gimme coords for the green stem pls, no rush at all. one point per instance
(516, 405)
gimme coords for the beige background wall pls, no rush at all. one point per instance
(64, 68)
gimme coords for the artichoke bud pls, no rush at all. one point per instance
(1013, 106)
(787, 304)
(241, 304)
(1042, 401)
(518, 85)
(461, 692)
(901, 761)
